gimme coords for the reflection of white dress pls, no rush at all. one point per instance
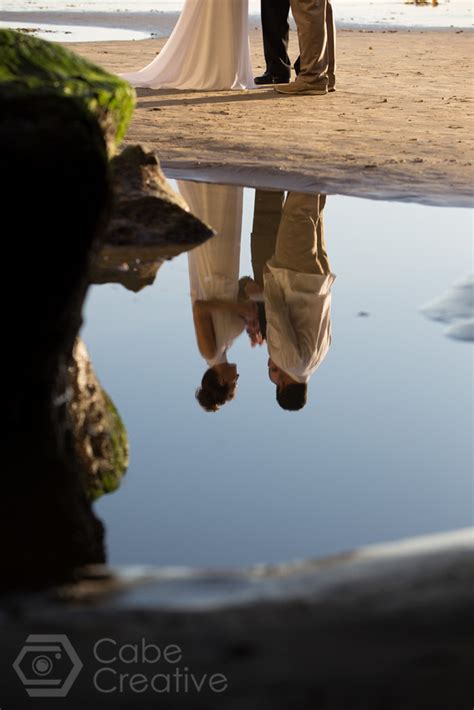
(214, 266)
(207, 50)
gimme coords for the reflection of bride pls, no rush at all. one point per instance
(219, 317)
(207, 50)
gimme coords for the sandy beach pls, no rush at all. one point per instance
(401, 124)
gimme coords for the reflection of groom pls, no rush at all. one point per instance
(296, 282)
(315, 68)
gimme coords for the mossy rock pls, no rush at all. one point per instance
(109, 476)
(30, 66)
(99, 434)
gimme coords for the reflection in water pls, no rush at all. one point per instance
(455, 308)
(98, 433)
(390, 422)
(292, 283)
(296, 289)
(219, 315)
(133, 267)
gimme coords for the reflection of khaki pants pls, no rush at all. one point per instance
(317, 39)
(300, 242)
(266, 222)
(291, 232)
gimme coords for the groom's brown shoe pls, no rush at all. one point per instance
(300, 88)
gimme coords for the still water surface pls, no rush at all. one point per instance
(383, 447)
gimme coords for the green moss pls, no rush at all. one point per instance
(118, 439)
(113, 467)
(29, 65)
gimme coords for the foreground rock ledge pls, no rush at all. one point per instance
(384, 627)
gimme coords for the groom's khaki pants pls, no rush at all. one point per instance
(317, 38)
(300, 244)
(289, 233)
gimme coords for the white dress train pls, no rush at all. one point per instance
(208, 50)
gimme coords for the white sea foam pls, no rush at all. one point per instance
(456, 308)
(462, 331)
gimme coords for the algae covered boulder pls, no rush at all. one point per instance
(100, 437)
(30, 67)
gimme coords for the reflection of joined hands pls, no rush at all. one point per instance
(254, 333)
(253, 292)
(248, 311)
(250, 314)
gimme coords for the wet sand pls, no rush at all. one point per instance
(401, 124)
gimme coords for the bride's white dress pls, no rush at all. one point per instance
(214, 266)
(207, 50)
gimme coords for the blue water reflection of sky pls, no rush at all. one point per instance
(382, 450)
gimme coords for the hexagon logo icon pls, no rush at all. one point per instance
(47, 665)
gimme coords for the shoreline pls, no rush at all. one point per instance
(160, 23)
(352, 184)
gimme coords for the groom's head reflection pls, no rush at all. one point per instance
(290, 395)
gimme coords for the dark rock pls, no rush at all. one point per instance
(147, 212)
(31, 67)
(54, 205)
(99, 435)
(150, 223)
(122, 266)
(60, 447)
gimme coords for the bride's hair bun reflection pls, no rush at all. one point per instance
(212, 395)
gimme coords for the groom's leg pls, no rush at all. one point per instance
(311, 21)
(300, 244)
(276, 29)
(266, 222)
(331, 30)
